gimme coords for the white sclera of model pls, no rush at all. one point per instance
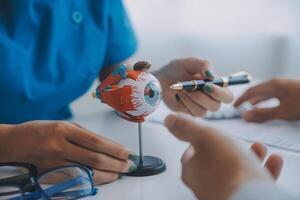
(146, 93)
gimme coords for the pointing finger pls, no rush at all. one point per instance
(187, 130)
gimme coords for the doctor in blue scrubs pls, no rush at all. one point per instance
(50, 54)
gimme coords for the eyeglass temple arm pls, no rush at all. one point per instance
(51, 191)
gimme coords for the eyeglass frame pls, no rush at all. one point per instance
(33, 179)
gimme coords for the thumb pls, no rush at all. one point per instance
(262, 114)
(184, 128)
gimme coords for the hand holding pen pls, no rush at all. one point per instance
(213, 89)
(208, 86)
(196, 102)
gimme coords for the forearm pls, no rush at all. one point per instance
(259, 190)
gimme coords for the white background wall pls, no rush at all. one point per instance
(261, 36)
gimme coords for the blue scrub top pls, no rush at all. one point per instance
(52, 50)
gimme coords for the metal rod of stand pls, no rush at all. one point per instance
(140, 143)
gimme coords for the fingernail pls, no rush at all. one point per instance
(209, 74)
(132, 155)
(120, 175)
(177, 97)
(208, 88)
(132, 167)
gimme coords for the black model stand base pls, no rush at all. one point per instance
(149, 167)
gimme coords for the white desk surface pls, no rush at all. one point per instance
(158, 142)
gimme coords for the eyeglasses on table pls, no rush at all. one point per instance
(20, 181)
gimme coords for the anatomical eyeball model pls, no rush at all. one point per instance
(134, 94)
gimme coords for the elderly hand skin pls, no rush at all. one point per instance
(49, 144)
(287, 91)
(213, 166)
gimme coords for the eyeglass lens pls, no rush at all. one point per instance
(66, 183)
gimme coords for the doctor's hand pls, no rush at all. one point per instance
(213, 166)
(196, 103)
(48, 144)
(287, 91)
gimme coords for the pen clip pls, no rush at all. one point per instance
(241, 74)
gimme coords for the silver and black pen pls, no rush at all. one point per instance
(233, 79)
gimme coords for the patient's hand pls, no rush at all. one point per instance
(287, 91)
(213, 166)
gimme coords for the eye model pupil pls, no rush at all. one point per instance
(151, 93)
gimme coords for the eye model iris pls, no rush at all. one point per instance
(152, 93)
